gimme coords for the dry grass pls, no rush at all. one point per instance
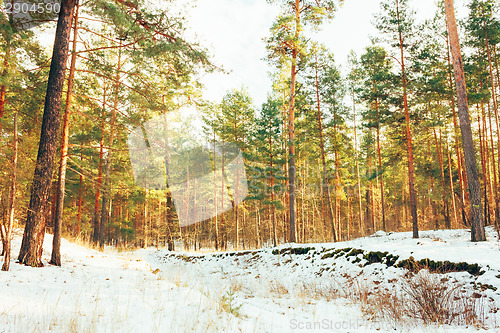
(314, 291)
(434, 300)
(423, 298)
(278, 288)
(85, 242)
(236, 285)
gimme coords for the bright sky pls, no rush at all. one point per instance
(234, 30)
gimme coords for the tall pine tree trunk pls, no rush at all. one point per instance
(380, 167)
(61, 182)
(95, 217)
(107, 182)
(31, 247)
(326, 183)
(495, 180)
(222, 222)
(476, 218)
(411, 171)
(461, 179)
(273, 206)
(495, 109)
(361, 226)
(291, 128)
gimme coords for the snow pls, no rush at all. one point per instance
(268, 290)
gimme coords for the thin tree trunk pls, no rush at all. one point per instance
(349, 213)
(170, 222)
(490, 68)
(495, 180)
(443, 181)
(3, 88)
(145, 227)
(411, 171)
(495, 106)
(326, 183)
(235, 205)
(158, 219)
(450, 171)
(337, 227)
(222, 223)
(61, 182)
(257, 227)
(107, 186)
(476, 218)
(80, 201)
(31, 248)
(484, 165)
(380, 168)
(432, 207)
(291, 128)
(273, 207)
(361, 226)
(397, 204)
(217, 237)
(96, 222)
(12, 201)
(491, 190)
(460, 163)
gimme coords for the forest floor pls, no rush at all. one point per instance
(385, 282)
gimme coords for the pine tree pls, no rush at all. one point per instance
(267, 179)
(287, 44)
(236, 117)
(477, 222)
(397, 23)
(31, 248)
(377, 77)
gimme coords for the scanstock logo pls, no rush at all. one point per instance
(205, 178)
(26, 14)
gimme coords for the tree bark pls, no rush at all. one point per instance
(476, 218)
(273, 207)
(411, 171)
(380, 167)
(452, 190)
(495, 180)
(361, 226)
(326, 183)
(495, 109)
(95, 217)
(3, 88)
(443, 181)
(107, 186)
(12, 201)
(216, 224)
(291, 128)
(80, 202)
(484, 164)
(461, 180)
(31, 248)
(61, 182)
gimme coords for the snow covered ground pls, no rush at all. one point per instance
(344, 287)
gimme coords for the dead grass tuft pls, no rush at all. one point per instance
(315, 291)
(278, 288)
